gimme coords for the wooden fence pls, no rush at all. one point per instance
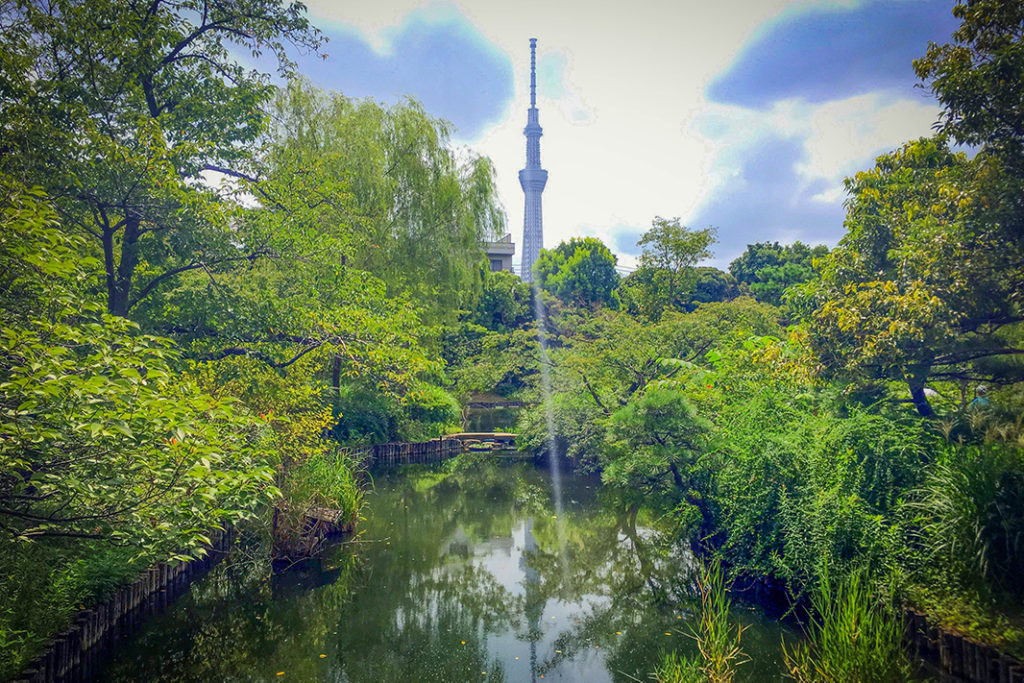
(78, 652)
(958, 658)
(391, 454)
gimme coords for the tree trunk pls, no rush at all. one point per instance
(917, 395)
(110, 268)
(677, 477)
(119, 284)
(336, 375)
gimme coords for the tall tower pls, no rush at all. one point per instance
(533, 178)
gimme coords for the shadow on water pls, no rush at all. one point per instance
(457, 571)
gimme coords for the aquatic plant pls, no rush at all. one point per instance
(718, 641)
(852, 637)
(971, 521)
(675, 668)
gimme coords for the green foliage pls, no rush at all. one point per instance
(480, 361)
(428, 412)
(666, 277)
(805, 481)
(853, 636)
(116, 107)
(717, 641)
(103, 436)
(43, 584)
(925, 282)
(112, 456)
(415, 213)
(979, 77)
(580, 271)
(601, 361)
(506, 302)
(714, 285)
(363, 416)
(969, 522)
(768, 269)
(656, 434)
(675, 668)
(324, 480)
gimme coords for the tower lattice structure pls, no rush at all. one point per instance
(533, 178)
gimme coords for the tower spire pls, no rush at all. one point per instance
(533, 178)
(533, 72)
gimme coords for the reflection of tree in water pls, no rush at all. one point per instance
(420, 594)
(534, 602)
(620, 574)
(240, 622)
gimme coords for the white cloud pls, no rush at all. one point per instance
(630, 134)
(846, 135)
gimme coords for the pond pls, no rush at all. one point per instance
(460, 572)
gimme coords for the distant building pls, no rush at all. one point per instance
(533, 178)
(500, 253)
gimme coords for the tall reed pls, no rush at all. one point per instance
(853, 637)
(717, 640)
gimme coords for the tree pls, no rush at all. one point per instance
(658, 433)
(115, 107)
(714, 285)
(601, 361)
(768, 268)
(580, 271)
(506, 302)
(979, 78)
(666, 277)
(415, 212)
(103, 436)
(927, 281)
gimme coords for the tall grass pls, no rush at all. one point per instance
(852, 637)
(675, 668)
(326, 479)
(717, 640)
(971, 520)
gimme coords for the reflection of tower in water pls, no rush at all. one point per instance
(534, 600)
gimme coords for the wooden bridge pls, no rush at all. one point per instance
(496, 440)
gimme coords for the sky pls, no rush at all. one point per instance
(744, 115)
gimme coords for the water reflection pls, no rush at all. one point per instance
(456, 576)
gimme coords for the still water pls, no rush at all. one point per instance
(457, 574)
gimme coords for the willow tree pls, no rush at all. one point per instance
(115, 108)
(413, 209)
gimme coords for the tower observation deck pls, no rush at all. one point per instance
(533, 178)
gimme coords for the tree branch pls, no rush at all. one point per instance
(593, 393)
(193, 265)
(258, 355)
(961, 357)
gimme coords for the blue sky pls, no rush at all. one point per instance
(745, 115)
